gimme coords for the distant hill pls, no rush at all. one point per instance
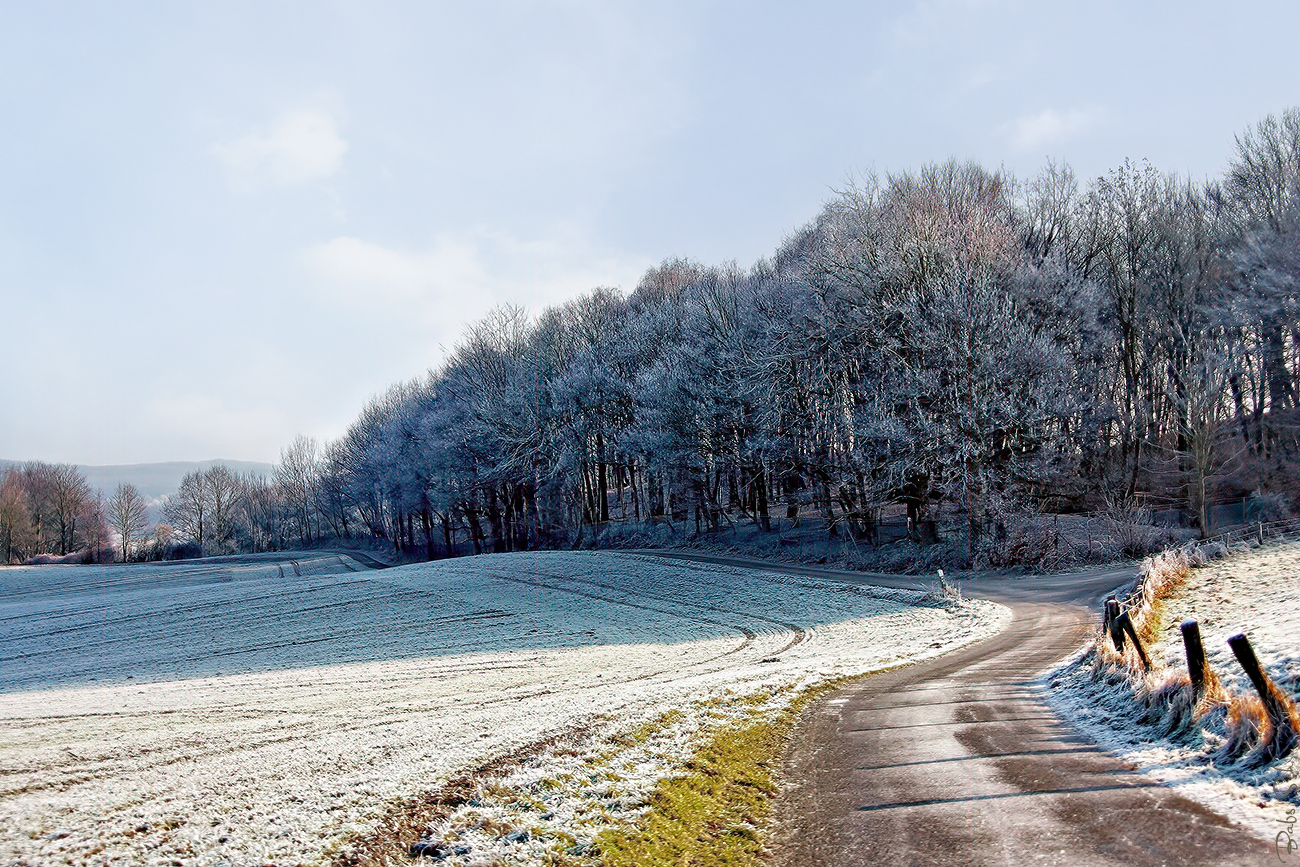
(155, 481)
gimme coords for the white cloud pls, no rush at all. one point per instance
(1051, 127)
(477, 262)
(303, 144)
(351, 264)
(460, 276)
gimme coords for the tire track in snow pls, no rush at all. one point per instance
(148, 757)
(798, 632)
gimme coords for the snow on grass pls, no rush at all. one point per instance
(241, 712)
(1255, 592)
(580, 797)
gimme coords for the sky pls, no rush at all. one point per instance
(225, 224)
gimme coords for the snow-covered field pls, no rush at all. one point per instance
(1258, 593)
(251, 712)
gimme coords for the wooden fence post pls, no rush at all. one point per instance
(1281, 714)
(1196, 665)
(1112, 626)
(1126, 623)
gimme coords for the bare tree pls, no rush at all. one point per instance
(261, 511)
(37, 482)
(1201, 428)
(69, 497)
(189, 509)
(17, 535)
(1263, 183)
(223, 495)
(128, 516)
(298, 478)
(1265, 174)
(92, 525)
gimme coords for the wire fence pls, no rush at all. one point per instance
(1260, 531)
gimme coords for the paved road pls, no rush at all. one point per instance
(959, 761)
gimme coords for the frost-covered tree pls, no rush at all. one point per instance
(128, 516)
(189, 510)
(298, 477)
(951, 343)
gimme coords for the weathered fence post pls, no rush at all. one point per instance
(1126, 623)
(1116, 624)
(1196, 665)
(1261, 532)
(1281, 715)
(1111, 624)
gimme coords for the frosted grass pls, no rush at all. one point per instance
(356, 689)
(1256, 592)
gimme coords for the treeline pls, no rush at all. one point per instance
(219, 511)
(950, 343)
(49, 509)
(954, 345)
(50, 513)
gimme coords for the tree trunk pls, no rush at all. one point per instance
(475, 528)
(426, 522)
(602, 480)
(760, 493)
(494, 521)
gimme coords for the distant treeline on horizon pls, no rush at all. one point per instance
(59, 510)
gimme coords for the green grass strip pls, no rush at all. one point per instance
(716, 811)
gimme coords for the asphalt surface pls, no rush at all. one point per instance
(959, 760)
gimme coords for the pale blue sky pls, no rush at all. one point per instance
(222, 224)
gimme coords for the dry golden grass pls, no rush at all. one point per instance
(1245, 724)
(1162, 576)
(1167, 694)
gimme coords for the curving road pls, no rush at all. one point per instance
(959, 761)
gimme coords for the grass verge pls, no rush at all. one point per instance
(714, 813)
(576, 800)
(1235, 726)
